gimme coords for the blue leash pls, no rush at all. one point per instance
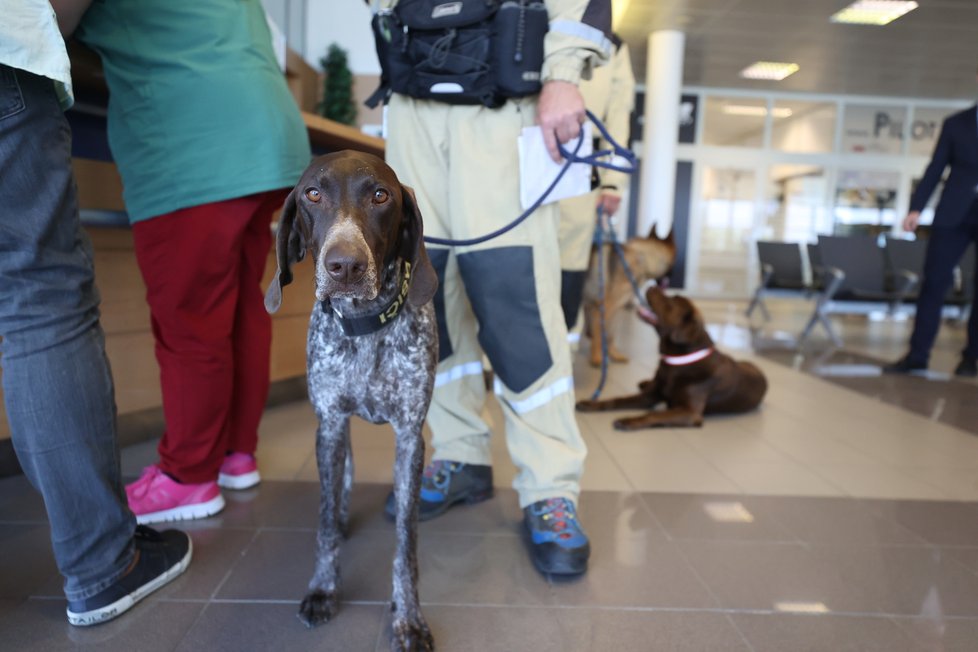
(571, 158)
(604, 233)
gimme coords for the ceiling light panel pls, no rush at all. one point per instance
(873, 12)
(769, 70)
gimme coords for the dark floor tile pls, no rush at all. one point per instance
(630, 573)
(618, 515)
(40, 625)
(823, 633)
(26, 560)
(939, 635)
(271, 504)
(760, 575)
(479, 570)
(216, 551)
(502, 629)
(715, 517)
(235, 627)
(19, 501)
(941, 523)
(834, 521)
(277, 565)
(860, 579)
(967, 557)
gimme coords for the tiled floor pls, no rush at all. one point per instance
(835, 518)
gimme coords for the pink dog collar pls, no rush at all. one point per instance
(689, 358)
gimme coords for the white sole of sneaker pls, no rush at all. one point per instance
(243, 481)
(124, 604)
(185, 513)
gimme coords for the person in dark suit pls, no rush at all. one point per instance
(955, 227)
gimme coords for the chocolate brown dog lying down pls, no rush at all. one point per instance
(693, 378)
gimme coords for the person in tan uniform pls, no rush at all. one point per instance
(610, 96)
(501, 298)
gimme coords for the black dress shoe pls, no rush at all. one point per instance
(967, 368)
(904, 366)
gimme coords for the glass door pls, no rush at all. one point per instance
(726, 213)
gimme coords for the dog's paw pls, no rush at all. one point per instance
(588, 406)
(617, 356)
(411, 635)
(317, 608)
(631, 423)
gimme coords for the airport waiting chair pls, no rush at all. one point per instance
(910, 255)
(782, 270)
(905, 256)
(854, 278)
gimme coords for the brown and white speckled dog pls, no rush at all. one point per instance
(693, 378)
(372, 352)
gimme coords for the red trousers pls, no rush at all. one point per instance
(203, 268)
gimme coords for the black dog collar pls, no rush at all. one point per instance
(366, 324)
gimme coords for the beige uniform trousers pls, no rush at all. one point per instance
(462, 162)
(578, 220)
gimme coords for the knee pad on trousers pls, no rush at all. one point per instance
(503, 293)
(439, 260)
(571, 294)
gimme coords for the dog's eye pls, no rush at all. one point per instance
(313, 195)
(381, 196)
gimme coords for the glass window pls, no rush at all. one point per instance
(865, 201)
(795, 204)
(925, 129)
(868, 129)
(803, 126)
(734, 121)
(728, 200)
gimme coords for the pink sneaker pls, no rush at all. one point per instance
(239, 471)
(155, 497)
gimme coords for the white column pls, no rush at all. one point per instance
(663, 89)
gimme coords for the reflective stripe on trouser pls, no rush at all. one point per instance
(463, 165)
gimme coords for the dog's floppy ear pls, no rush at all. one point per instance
(424, 281)
(290, 248)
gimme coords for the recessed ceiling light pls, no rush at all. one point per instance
(802, 607)
(873, 12)
(756, 111)
(772, 70)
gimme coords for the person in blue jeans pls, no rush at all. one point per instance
(57, 384)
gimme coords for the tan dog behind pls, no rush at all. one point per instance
(649, 258)
(693, 378)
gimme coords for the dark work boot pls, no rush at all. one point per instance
(967, 368)
(446, 483)
(905, 365)
(558, 545)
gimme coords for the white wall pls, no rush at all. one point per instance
(310, 26)
(346, 23)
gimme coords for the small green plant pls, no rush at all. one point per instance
(337, 101)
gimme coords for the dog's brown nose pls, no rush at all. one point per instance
(345, 266)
